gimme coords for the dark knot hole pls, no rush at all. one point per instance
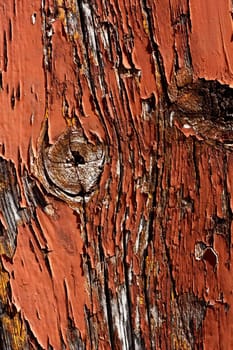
(78, 158)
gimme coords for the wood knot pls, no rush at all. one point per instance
(204, 109)
(71, 167)
(208, 98)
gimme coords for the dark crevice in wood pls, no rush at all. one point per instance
(120, 175)
(10, 30)
(129, 327)
(13, 99)
(48, 265)
(35, 195)
(38, 196)
(229, 213)
(2, 229)
(155, 49)
(18, 92)
(14, 8)
(5, 52)
(109, 320)
(1, 81)
(35, 235)
(91, 337)
(146, 295)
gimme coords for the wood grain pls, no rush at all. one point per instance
(116, 174)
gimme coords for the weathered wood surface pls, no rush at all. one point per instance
(116, 174)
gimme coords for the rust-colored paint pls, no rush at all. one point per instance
(209, 28)
(144, 261)
(47, 299)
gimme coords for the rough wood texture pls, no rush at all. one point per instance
(116, 188)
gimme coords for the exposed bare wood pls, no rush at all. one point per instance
(116, 174)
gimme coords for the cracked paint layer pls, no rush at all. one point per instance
(119, 270)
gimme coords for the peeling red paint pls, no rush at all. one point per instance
(216, 25)
(210, 35)
(42, 298)
(165, 185)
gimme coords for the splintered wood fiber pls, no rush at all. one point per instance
(116, 191)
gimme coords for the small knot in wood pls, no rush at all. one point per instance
(71, 167)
